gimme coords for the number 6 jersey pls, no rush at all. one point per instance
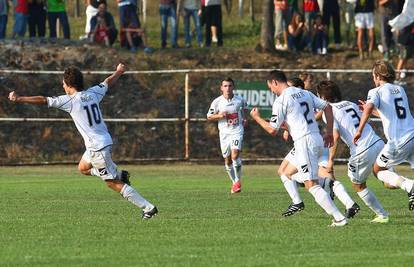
(84, 109)
(233, 123)
(392, 105)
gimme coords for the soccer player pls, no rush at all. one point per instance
(346, 122)
(390, 102)
(294, 109)
(229, 110)
(83, 107)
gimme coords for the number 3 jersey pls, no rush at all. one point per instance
(295, 107)
(233, 123)
(84, 109)
(392, 105)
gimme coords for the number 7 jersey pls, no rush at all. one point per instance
(392, 105)
(84, 109)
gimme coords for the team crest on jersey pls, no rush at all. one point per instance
(351, 168)
(103, 171)
(304, 168)
(273, 118)
(384, 158)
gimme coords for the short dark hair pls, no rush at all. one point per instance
(305, 75)
(329, 90)
(227, 79)
(73, 77)
(296, 82)
(384, 71)
(277, 75)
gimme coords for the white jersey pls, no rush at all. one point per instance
(83, 107)
(392, 105)
(233, 123)
(346, 120)
(295, 107)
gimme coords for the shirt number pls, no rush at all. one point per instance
(401, 112)
(306, 112)
(95, 116)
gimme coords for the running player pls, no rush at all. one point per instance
(390, 102)
(346, 122)
(83, 107)
(294, 109)
(229, 110)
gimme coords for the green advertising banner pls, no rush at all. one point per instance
(257, 94)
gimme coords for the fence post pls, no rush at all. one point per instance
(328, 75)
(186, 118)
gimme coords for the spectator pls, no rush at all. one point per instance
(20, 18)
(56, 9)
(310, 9)
(37, 18)
(331, 9)
(405, 43)
(349, 16)
(168, 9)
(191, 8)
(133, 38)
(297, 38)
(103, 27)
(91, 11)
(281, 23)
(128, 14)
(213, 19)
(364, 19)
(4, 10)
(388, 9)
(320, 36)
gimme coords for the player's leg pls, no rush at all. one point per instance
(288, 172)
(235, 147)
(226, 153)
(372, 202)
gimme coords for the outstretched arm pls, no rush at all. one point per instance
(111, 80)
(37, 100)
(328, 136)
(264, 124)
(368, 108)
(332, 151)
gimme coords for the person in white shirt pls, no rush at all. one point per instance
(293, 110)
(389, 101)
(362, 157)
(229, 111)
(83, 107)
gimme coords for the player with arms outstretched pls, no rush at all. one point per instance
(83, 107)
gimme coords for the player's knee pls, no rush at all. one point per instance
(237, 162)
(359, 187)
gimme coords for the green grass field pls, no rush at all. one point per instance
(53, 216)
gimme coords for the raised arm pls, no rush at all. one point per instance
(255, 114)
(368, 108)
(36, 100)
(111, 80)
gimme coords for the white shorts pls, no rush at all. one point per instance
(229, 142)
(364, 20)
(307, 152)
(102, 161)
(360, 165)
(392, 155)
(322, 161)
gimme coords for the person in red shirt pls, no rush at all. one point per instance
(20, 18)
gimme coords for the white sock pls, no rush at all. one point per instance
(342, 195)
(395, 180)
(230, 173)
(237, 165)
(135, 198)
(323, 199)
(372, 202)
(291, 189)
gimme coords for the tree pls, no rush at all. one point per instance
(267, 30)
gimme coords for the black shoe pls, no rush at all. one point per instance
(149, 214)
(125, 177)
(411, 199)
(293, 208)
(351, 212)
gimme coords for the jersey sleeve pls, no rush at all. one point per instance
(319, 104)
(278, 117)
(63, 102)
(373, 97)
(213, 108)
(99, 90)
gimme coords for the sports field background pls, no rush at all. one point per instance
(53, 216)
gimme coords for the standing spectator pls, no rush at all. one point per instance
(364, 19)
(405, 43)
(331, 9)
(320, 37)
(281, 23)
(37, 18)
(56, 9)
(191, 8)
(103, 27)
(349, 16)
(310, 9)
(387, 11)
(168, 8)
(298, 33)
(91, 11)
(4, 9)
(213, 19)
(128, 14)
(20, 18)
